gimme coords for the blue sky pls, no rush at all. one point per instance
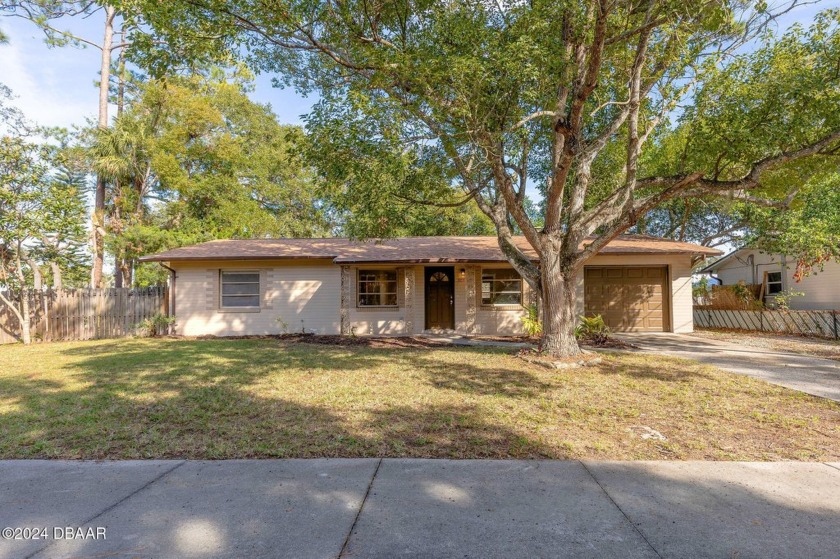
(56, 87)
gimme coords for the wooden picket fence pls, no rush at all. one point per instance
(83, 314)
(807, 323)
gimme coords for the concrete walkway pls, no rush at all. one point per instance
(422, 508)
(820, 377)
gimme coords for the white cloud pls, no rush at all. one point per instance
(53, 87)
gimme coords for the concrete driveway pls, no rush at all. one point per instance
(820, 377)
(420, 508)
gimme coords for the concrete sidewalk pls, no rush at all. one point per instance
(812, 375)
(422, 508)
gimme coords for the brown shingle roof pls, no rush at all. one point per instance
(401, 250)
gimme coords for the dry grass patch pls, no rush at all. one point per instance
(268, 398)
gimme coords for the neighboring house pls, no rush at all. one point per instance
(775, 273)
(411, 285)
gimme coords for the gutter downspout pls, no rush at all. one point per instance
(753, 270)
(172, 277)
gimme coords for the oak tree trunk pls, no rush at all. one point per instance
(559, 299)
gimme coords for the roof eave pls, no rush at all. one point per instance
(423, 261)
(164, 258)
(717, 263)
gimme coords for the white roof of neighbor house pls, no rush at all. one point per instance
(717, 264)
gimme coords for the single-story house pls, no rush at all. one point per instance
(412, 285)
(775, 273)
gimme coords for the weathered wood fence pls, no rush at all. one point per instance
(83, 314)
(809, 323)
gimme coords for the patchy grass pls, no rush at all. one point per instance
(269, 398)
(813, 347)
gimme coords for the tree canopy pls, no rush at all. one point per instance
(611, 109)
(194, 159)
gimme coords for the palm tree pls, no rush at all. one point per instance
(121, 155)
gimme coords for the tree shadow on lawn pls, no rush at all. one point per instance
(480, 380)
(243, 362)
(225, 399)
(175, 366)
(654, 367)
(224, 422)
(131, 399)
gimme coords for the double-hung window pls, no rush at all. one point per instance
(501, 287)
(377, 288)
(240, 290)
(774, 283)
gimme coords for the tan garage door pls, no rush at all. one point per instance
(629, 298)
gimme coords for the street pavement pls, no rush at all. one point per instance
(393, 508)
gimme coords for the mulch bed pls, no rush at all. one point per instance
(609, 343)
(511, 339)
(407, 341)
(358, 341)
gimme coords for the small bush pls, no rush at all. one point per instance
(700, 291)
(782, 299)
(155, 326)
(531, 321)
(592, 329)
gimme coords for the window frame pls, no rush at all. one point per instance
(521, 291)
(395, 293)
(768, 283)
(222, 296)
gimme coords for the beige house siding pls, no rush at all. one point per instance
(498, 321)
(307, 295)
(470, 316)
(390, 321)
(821, 289)
(304, 295)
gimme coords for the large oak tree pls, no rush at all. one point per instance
(573, 97)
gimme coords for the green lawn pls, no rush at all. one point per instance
(170, 398)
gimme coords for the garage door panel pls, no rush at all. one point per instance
(628, 298)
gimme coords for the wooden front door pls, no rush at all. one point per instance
(440, 298)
